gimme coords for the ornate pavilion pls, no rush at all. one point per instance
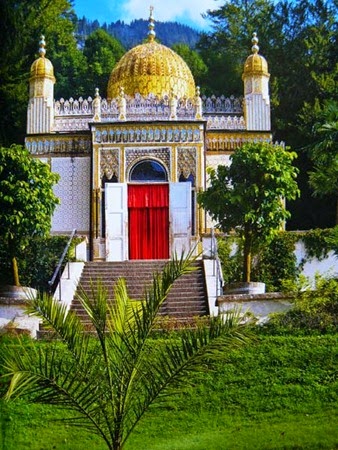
(130, 165)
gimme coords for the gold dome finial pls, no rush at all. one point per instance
(42, 48)
(151, 26)
(254, 40)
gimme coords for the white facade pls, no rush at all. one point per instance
(97, 146)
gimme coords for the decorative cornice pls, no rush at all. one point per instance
(230, 141)
(148, 133)
(70, 145)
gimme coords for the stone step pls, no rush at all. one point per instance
(139, 289)
(186, 301)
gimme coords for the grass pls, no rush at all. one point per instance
(278, 393)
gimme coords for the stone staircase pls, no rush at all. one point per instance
(186, 300)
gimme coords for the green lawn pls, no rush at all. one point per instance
(277, 393)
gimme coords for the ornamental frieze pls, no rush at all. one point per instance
(65, 145)
(229, 142)
(148, 134)
(142, 107)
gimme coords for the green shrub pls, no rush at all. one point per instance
(37, 261)
(319, 242)
(229, 252)
(274, 264)
(314, 309)
(277, 262)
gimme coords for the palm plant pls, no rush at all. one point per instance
(110, 380)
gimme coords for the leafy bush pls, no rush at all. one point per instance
(230, 254)
(314, 309)
(37, 261)
(319, 242)
(275, 263)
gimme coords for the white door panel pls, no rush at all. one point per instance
(116, 221)
(180, 217)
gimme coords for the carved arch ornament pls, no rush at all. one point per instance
(186, 161)
(109, 163)
(146, 158)
(136, 155)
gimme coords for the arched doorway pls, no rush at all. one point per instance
(148, 211)
(147, 217)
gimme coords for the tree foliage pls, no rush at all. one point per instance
(194, 61)
(102, 52)
(324, 153)
(110, 381)
(299, 41)
(225, 49)
(27, 200)
(247, 196)
(130, 35)
(22, 23)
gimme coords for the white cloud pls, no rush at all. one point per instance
(170, 10)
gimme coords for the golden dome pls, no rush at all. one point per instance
(42, 67)
(151, 68)
(255, 64)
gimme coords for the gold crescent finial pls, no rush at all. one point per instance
(151, 26)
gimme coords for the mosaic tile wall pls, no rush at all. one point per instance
(73, 189)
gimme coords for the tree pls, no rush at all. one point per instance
(22, 24)
(226, 48)
(27, 201)
(194, 61)
(110, 381)
(102, 53)
(299, 41)
(247, 196)
(323, 152)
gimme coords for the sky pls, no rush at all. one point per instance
(188, 12)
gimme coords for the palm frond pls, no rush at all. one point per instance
(170, 367)
(65, 323)
(96, 306)
(110, 381)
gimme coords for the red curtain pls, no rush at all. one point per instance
(148, 206)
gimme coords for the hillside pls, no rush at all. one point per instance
(168, 33)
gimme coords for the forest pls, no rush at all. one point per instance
(298, 39)
(130, 35)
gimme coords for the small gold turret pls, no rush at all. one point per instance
(256, 90)
(40, 113)
(42, 67)
(255, 64)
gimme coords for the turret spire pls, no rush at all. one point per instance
(151, 26)
(42, 48)
(254, 40)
